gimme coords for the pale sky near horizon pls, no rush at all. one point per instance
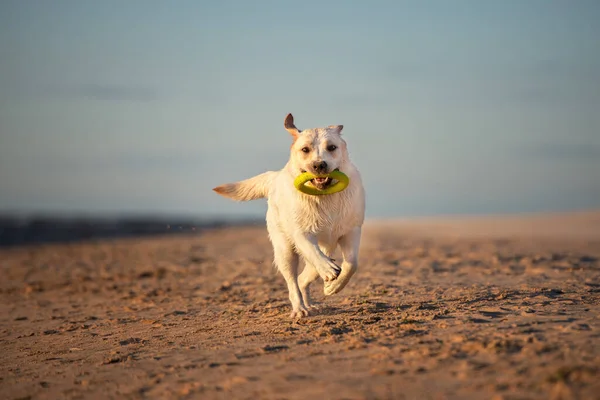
(448, 106)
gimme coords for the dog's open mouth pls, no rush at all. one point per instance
(322, 183)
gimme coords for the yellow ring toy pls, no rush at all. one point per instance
(341, 178)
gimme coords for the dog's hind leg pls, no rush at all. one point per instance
(308, 246)
(286, 260)
(309, 275)
(349, 244)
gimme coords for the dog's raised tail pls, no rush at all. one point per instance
(253, 188)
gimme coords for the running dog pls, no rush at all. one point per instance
(308, 226)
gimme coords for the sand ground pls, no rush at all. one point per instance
(457, 308)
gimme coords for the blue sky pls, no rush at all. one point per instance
(448, 106)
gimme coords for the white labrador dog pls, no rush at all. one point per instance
(305, 225)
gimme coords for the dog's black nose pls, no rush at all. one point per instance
(320, 166)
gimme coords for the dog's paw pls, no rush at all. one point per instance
(331, 288)
(336, 286)
(299, 313)
(313, 307)
(329, 270)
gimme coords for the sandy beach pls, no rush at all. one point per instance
(440, 308)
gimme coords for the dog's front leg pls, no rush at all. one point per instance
(308, 246)
(349, 244)
(286, 260)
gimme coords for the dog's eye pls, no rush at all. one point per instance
(331, 147)
(305, 149)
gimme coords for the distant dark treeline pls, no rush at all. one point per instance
(37, 230)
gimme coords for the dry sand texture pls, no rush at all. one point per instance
(440, 309)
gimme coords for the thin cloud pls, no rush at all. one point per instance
(554, 68)
(105, 92)
(554, 151)
(125, 162)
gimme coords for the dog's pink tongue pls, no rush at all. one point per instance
(320, 180)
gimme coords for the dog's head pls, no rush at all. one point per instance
(318, 151)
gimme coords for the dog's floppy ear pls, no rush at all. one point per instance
(336, 128)
(290, 127)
